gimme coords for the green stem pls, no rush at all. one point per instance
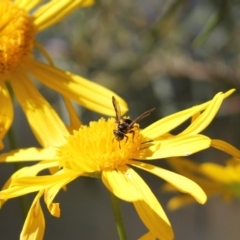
(17, 165)
(118, 217)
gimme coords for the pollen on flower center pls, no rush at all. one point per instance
(16, 36)
(93, 148)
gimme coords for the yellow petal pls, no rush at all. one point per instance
(46, 125)
(182, 183)
(226, 147)
(184, 166)
(148, 236)
(226, 174)
(26, 4)
(28, 154)
(118, 183)
(52, 191)
(6, 111)
(54, 209)
(34, 169)
(25, 185)
(88, 94)
(179, 202)
(179, 146)
(193, 171)
(34, 225)
(170, 122)
(206, 117)
(23, 172)
(75, 122)
(55, 10)
(149, 209)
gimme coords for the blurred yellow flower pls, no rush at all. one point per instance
(18, 30)
(92, 151)
(214, 179)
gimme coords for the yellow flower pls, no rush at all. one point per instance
(18, 30)
(93, 151)
(213, 178)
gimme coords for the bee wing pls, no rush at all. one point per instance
(117, 109)
(143, 115)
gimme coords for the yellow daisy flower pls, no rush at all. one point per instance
(94, 151)
(213, 178)
(18, 29)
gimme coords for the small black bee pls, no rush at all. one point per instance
(125, 125)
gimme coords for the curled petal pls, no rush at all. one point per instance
(226, 147)
(168, 123)
(34, 225)
(24, 185)
(15, 191)
(52, 191)
(206, 117)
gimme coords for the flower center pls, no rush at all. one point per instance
(16, 36)
(94, 148)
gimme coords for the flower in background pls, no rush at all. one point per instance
(18, 31)
(214, 179)
(92, 151)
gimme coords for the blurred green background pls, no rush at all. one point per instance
(154, 53)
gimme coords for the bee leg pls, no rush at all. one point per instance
(133, 134)
(126, 137)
